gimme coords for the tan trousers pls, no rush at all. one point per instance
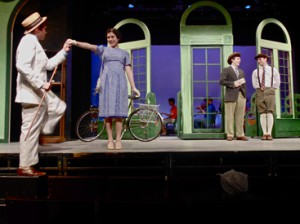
(234, 114)
(46, 118)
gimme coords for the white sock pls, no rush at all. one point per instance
(263, 123)
(270, 121)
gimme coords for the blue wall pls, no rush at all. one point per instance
(165, 71)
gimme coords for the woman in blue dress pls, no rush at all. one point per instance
(112, 83)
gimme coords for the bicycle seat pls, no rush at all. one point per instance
(93, 107)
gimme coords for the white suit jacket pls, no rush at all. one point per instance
(32, 64)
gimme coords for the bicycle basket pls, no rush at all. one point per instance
(148, 114)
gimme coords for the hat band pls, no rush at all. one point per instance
(33, 24)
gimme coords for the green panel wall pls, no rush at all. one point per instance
(7, 12)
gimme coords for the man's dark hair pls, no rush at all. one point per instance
(171, 100)
(41, 26)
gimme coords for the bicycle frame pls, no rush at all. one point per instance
(143, 123)
(126, 125)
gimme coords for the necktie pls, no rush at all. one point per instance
(237, 72)
(263, 80)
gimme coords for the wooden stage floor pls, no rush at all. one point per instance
(167, 179)
(164, 156)
(164, 144)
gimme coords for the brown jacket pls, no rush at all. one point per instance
(227, 79)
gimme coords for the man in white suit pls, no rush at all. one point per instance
(39, 115)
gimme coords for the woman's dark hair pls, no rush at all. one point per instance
(115, 31)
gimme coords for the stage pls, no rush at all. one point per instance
(166, 153)
(167, 179)
(163, 144)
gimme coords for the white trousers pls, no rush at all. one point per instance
(43, 121)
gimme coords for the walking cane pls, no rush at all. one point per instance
(40, 104)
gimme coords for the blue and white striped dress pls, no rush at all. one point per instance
(113, 96)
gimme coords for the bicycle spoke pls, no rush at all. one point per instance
(89, 127)
(145, 124)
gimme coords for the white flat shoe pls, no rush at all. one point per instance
(110, 145)
(118, 145)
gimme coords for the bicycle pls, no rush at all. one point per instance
(144, 123)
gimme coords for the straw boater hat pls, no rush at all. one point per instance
(234, 54)
(234, 182)
(261, 55)
(32, 22)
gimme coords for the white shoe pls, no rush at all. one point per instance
(118, 145)
(110, 145)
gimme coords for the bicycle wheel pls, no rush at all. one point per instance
(89, 127)
(145, 124)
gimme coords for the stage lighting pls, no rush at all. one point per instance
(131, 6)
(248, 7)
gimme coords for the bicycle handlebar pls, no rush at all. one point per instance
(132, 97)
